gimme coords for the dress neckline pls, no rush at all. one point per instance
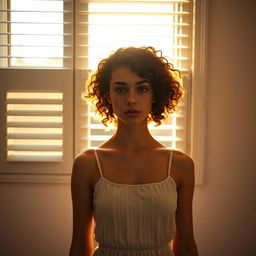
(135, 185)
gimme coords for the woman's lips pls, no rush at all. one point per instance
(131, 113)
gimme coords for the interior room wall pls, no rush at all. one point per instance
(36, 219)
(224, 207)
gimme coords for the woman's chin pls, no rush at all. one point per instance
(133, 121)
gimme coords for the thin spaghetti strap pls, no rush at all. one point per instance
(170, 163)
(98, 161)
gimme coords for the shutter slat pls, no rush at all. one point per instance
(34, 34)
(34, 147)
(173, 58)
(34, 101)
(135, 13)
(27, 45)
(30, 22)
(35, 124)
(33, 113)
(34, 158)
(136, 36)
(134, 2)
(136, 24)
(34, 136)
(163, 46)
(97, 138)
(32, 11)
(35, 57)
(167, 138)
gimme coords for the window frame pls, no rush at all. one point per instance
(199, 93)
(197, 122)
(183, 106)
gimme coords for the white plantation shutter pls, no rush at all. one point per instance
(104, 26)
(36, 100)
(47, 47)
(35, 33)
(36, 122)
(34, 126)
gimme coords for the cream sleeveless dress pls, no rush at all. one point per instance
(134, 219)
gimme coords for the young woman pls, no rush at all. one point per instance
(138, 192)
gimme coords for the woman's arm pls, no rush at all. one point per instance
(82, 242)
(184, 243)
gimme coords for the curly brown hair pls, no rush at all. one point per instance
(147, 63)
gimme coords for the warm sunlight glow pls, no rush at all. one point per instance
(36, 33)
(35, 95)
(115, 25)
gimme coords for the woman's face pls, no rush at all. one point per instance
(130, 92)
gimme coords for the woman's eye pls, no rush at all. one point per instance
(142, 89)
(120, 90)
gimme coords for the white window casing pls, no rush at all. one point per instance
(198, 121)
(36, 100)
(83, 32)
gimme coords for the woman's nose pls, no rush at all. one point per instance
(131, 98)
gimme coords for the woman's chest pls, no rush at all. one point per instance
(140, 169)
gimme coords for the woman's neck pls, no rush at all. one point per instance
(133, 138)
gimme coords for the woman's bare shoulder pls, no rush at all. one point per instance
(86, 155)
(184, 165)
(181, 156)
(84, 164)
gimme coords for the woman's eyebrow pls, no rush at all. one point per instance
(119, 83)
(143, 81)
(139, 82)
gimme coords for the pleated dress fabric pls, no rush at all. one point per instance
(134, 219)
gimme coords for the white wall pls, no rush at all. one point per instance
(225, 206)
(35, 219)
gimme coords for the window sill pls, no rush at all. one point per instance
(35, 178)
